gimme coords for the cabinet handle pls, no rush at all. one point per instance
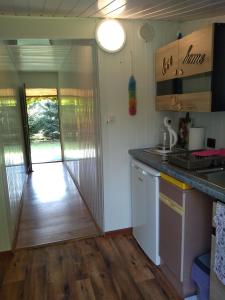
(173, 100)
(144, 173)
(175, 73)
(191, 108)
(181, 72)
(174, 103)
(179, 106)
(171, 204)
(140, 179)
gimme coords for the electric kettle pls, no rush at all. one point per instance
(172, 134)
(168, 137)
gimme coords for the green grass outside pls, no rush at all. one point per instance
(46, 151)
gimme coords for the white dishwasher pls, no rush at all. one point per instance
(145, 208)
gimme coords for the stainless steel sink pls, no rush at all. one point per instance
(211, 170)
(214, 175)
(158, 151)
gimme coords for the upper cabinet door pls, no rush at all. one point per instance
(196, 52)
(167, 61)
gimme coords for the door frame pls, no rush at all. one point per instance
(26, 133)
(58, 116)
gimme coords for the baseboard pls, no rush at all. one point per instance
(5, 253)
(5, 256)
(124, 231)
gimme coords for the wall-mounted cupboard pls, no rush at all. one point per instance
(190, 72)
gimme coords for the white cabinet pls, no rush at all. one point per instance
(145, 208)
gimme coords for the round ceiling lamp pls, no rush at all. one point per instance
(110, 35)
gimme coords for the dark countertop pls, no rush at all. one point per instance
(189, 177)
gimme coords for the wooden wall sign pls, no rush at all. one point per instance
(196, 52)
(167, 61)
(193, 58)
(187, 56)
(166, 64)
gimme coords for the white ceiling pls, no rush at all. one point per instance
(38, 58)
(44, 55)
(179, 10)
(50, 58)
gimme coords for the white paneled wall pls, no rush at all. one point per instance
(114, 70)
(127, 132)
(39, 79)
(12, 170)
(79, 130)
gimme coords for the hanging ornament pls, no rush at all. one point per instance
(132, 96)
(132, 91)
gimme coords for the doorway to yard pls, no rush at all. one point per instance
(60, 107)
(44, 127)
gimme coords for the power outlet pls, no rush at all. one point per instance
(211, 143)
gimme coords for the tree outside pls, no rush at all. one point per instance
(44, 130)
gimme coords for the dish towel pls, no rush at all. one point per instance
(219, 219)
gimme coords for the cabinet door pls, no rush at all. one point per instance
(171, 228)
(144, 192)
(167, 62)
(197, 102)
(196, 52)
(166, 102)
(145, 211)
(138, 199)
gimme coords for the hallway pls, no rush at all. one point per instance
(53, 210)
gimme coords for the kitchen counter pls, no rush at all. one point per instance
(189, 177)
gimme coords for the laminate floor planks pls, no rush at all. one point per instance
(100, 268)
(52, 210)
(5, 259)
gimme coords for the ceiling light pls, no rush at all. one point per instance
(110, 36)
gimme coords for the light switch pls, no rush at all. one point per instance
(110, 118)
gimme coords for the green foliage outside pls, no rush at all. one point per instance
(43, 118)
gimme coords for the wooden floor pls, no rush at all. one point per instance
(96, 268)
(5, 259)
(52, 209)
